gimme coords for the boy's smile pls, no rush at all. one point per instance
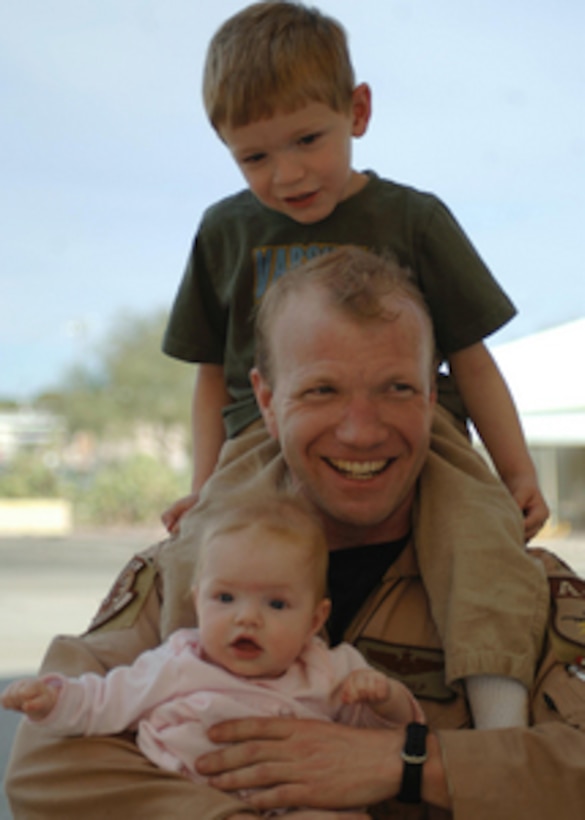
(299, 163)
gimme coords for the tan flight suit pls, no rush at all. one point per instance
(505, 774)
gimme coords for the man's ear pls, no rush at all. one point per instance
(264, 395)
(320, 615)
(361, 109)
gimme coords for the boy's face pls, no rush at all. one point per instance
(256, 602)
(299, 163)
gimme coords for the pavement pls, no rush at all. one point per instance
(50, 586)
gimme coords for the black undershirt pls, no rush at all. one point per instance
(353, 574)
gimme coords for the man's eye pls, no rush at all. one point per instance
(401, 389)
(277, 603)
(320, 390)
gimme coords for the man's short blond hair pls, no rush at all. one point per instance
(275, 56)
(355, 281)
(280, 513)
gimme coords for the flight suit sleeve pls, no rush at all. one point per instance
(51, 778)
(536, 772)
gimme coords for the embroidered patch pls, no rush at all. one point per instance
(421, 669)
(568, 613)
(122, 594)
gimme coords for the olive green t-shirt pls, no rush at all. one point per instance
(242, 246)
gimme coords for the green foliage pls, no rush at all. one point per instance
(129, 381)
(29, 477)
(135, 491)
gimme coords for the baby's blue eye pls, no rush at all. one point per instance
(225, 597)
(277, 603)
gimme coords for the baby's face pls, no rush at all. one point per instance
(256, 603)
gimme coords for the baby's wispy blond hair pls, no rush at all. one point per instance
(278, 513)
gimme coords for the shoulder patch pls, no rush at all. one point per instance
(568, 616)
(128, 589)
(421, 669)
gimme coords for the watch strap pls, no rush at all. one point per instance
(413, 755)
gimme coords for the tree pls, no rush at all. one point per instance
(131, 382)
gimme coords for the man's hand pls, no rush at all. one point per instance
(176, 511)
(305, 763)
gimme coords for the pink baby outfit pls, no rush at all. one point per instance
(171, 696)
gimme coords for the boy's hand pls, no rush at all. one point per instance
(365, 686)
(534, 508)
(34, 697)
(176, 511)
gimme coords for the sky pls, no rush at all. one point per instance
(107, 160)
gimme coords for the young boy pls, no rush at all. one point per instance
(279, 89)
(260, 596)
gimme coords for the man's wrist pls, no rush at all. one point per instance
(435, 788)
(414, 756)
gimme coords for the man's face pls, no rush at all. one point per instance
(351, 404)
(299, 163)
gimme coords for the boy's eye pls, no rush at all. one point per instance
(252, 159)
(309, 139)
(277, 603)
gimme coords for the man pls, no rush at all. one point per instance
(346, 387)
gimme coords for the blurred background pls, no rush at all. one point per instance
(107, 163)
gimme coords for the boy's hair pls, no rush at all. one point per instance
(279, 513)
(275, 56)
(354, 280)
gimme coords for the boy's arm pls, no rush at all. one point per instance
(492, 411)
(209, 397)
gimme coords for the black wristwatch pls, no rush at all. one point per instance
(414, 755)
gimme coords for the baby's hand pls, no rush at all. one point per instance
(365, 686)
(32, 696)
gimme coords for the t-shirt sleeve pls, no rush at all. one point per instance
(465, 300)
(197, 323)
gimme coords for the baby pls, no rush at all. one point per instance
(260, 596)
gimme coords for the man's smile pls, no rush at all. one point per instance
(361, 470)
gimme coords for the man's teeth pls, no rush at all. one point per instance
(358, 469)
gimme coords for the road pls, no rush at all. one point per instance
(52, 586)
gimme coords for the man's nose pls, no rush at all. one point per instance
(361, 424)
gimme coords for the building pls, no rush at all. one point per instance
(544, 374)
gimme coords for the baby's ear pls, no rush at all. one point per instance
(320, 615)
(195, 595)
